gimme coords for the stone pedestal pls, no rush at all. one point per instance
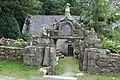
(33, 55)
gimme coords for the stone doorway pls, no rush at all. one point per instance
(70, 50)
(64, 47)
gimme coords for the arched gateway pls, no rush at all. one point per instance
(91, 57)
(66, 29)
(59, 36)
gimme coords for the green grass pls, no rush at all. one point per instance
(98, 76)
(60, 68)
(17, 69)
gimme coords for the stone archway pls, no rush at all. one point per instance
(92, 58)
(64, 30)
(74, 31)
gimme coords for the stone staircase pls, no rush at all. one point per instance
(59, 54)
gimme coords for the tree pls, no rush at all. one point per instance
(56, 7)
(53, 7)
(20, 8)
(99, 15)
(9, 27)
(79, 7)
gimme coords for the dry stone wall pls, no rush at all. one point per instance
(31, 55)
(12, 53)
(97, 60)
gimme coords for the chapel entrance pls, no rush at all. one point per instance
(64, 46)
(64, 31)
(70, 50)
(60, 36)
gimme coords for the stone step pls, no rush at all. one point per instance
(58, 54)
(54, 77)
(62, 56)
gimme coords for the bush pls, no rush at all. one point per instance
(113, 35)
(9, 27)
(111, 45)
(12, 42)
(77, 47)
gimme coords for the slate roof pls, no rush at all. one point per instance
(38, 21)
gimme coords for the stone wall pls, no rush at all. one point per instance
(39, 56)
(97, 60)
(31, 55)
(12, 53)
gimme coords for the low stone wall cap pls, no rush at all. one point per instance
(10, 47)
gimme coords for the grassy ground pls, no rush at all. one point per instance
(17, 69)
(96, 76)
(60, 69)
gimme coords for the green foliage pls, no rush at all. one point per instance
(111, 45)
(9, 27)
(113, 35)
(13, 14)
(29, 6)
(111, 39)
(100, 14)
(12, 42)
(56, 7)
(99, 76)
(51, 7)
(27, 38)
(20, 8)
(79, 7)
(77, 47)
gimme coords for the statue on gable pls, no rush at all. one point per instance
(67, 11)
